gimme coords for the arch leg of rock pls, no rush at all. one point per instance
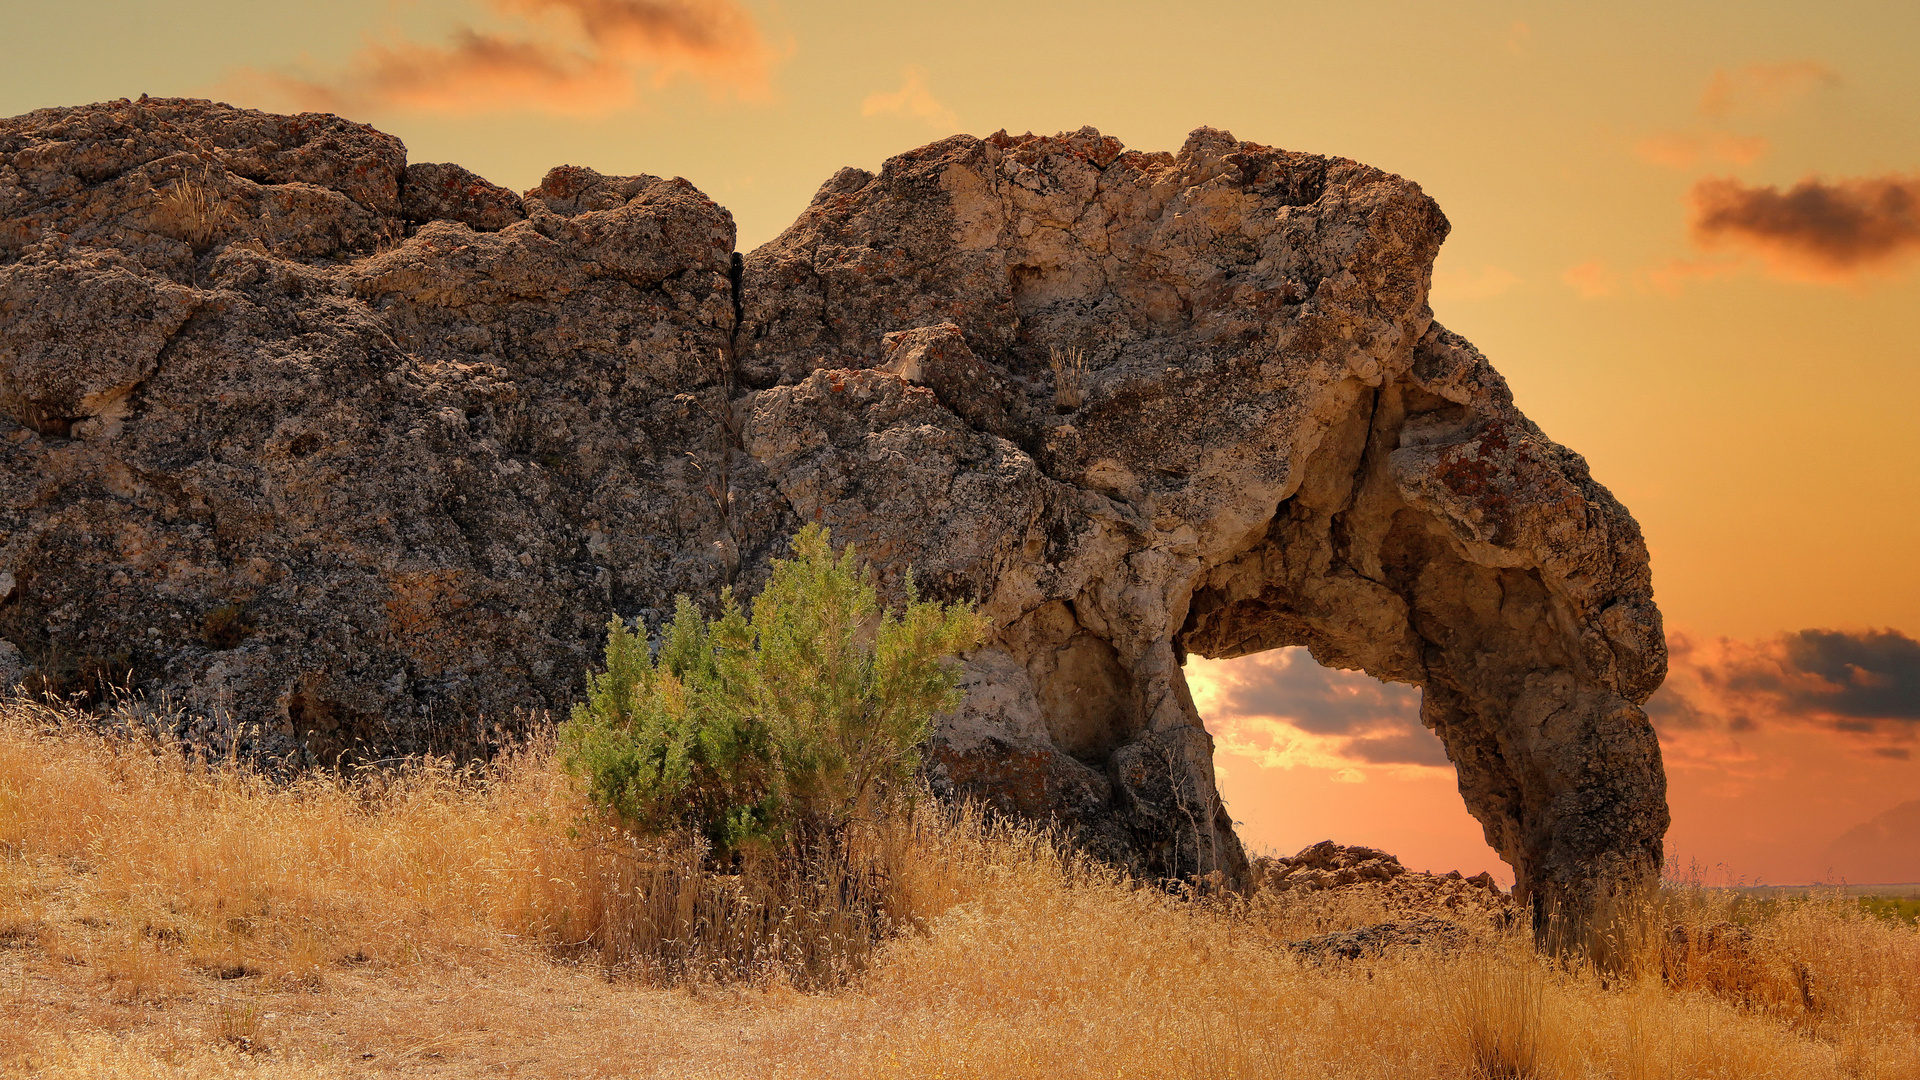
(1248, 460)
(1395, 557)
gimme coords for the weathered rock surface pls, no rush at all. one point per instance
(348, 456)
(1326, 865)
(1427, 931)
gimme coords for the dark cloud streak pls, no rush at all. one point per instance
(1859, 685)
(1817, 229)
(1874, 675)
(1862, 687)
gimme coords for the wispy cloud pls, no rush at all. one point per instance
(1687, 150)
(1672, 277)
(1763, 87)
(1591, 279)
(567, 57)
(1751, 91)
(1595, 280)
(1817, 229)
(913, 100)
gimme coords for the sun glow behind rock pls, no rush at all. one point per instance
(1304, 753)
(1781, 755)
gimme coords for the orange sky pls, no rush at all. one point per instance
(1687, 234)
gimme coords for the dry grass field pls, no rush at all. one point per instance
(159, 918)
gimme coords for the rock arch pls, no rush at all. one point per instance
(405, 437)
(1278, 446)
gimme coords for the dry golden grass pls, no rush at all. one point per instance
(191, 211)
(158, 919)
(1069, 377)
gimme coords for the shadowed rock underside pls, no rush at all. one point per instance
(351, 457)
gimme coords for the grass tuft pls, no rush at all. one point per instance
(1069, 377)
(190, 210)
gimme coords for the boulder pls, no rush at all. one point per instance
(1327, 865)
(442, 192)
(1373, 877)
(350, 458)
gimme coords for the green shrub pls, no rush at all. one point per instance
(775, 731)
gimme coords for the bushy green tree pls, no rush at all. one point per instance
(776, 729)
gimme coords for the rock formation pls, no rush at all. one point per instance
(1327, 883)
(1327, 866)
(349, 456)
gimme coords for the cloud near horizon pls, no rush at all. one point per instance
(1283, 709)
(1860, 688)
(1883, 849)
(1864, 686)
(1816, 230)
(569, 57)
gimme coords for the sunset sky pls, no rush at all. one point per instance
(1688, 234)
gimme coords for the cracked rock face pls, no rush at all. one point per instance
(353, 457)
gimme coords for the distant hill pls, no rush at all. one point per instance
(1882, 849)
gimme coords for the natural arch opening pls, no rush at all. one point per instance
(1437, 539)
(1304, 753)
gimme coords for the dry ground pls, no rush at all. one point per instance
(158, 919)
